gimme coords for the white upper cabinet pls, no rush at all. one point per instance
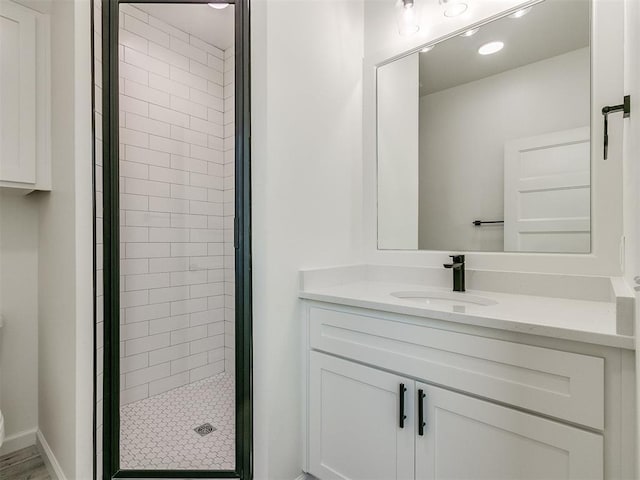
(24, 98)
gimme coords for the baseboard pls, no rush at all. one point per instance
(18, 441)
(55, 471)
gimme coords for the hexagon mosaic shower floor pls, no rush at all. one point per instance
(157, 433)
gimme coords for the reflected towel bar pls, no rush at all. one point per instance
(479, 223)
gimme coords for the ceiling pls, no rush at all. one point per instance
(42, 6)
(216, 27)
(551, 28)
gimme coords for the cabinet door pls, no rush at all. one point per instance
(467, 438)
(17, 93)
(354, 422)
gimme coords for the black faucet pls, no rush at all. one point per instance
(458, 272)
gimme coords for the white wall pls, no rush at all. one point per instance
(65, 285)
(463, 131)
(19, 307)
(306, 187)
(632, 181)
(19, 283)
(632, 146)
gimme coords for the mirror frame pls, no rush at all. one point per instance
(422, 226)
(607, 85)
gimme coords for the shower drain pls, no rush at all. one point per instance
(204, 429)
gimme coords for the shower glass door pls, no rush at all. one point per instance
(174, 369)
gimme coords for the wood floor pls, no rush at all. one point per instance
(25, 464)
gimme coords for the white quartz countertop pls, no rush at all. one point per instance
(570, 319)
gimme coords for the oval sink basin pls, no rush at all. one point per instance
(445, 298)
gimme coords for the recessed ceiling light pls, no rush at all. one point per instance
(520, 13)
(453, 8)
(427, 49)
(471, 32)
(490, 48)
(218, 6)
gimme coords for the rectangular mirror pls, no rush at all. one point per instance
(484, 138)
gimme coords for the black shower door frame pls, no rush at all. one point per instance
(111, 237)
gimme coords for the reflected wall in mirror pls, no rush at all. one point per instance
(484, 139)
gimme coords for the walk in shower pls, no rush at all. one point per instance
(172, 134)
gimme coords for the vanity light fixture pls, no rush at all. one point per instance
(407, 18)
(218, 6)
(470, 33)
(520, 13)
(453, 8)
(490, 48)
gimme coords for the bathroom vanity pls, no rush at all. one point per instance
(484, 139)
(487, 384)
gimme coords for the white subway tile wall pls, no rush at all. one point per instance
(228, 204)
(176, 168)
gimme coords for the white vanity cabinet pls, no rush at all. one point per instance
(492, 408)
(467, 438)
(355, 432)
(24, 99)
(354, 421)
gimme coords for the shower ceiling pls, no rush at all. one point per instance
(209, 24)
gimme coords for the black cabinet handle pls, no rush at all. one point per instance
(421, 422)
(403, 417)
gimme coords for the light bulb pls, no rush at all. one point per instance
(453, 8)
(407, 18)
(490, 48)
(520, 13)
(471, 32)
